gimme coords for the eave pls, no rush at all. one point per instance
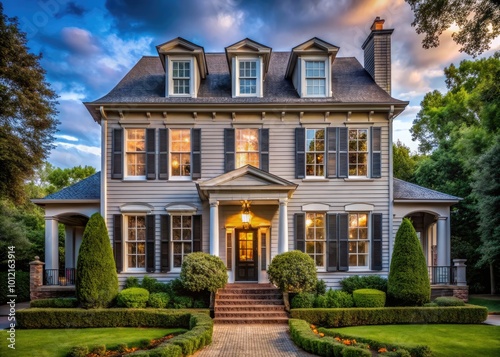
(44, 202)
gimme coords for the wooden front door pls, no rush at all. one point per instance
(246, 255)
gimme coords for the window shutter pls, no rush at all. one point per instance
(150, 243)
(264, 149)
(343, 236)
(163, 158)
(300, 231)
(150, 154)
(117, 241)
(164, 243)
(332, 243)
(196, 154)
(377, 241)
(197, 233)
(300, 154)
(343, 152)
(229, 150)
(376, 161)
(117, 155)
(331, 152)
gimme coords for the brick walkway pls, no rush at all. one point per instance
(261, 340)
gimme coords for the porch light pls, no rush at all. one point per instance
(245, 214)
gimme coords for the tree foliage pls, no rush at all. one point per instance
(27, 110)
(404, 162)
(478, 22)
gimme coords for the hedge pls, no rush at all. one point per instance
(55, 303)
(133, 298)
(369, 298)
(469, 314)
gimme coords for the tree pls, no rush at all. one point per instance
(96, 278)
(478, 22)
(404, 162)
(60, 178)
(27, 110)
(408, 283)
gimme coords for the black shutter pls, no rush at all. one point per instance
(164, 243)
(300, 153)
(117, 154)
(163, 157)
(150, 154)
(300, 231)
(117, 242)
(332, 243)
(150, 243)
(376, 161)
(229, 150)
(331, 152)
(377, 241)
(197, 233)
(343, 237)
(196, 154)
(343, 152)
(264, 149)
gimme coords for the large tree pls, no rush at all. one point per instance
(478, 22)
(27, 110)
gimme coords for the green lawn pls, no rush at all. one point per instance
(444, 340)
(493, 304)
(57, 343)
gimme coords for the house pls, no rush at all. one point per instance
(249, 153)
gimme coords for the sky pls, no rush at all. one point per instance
(88, 46)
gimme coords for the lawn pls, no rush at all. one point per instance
(57, 342)
(444, 340)
(493, 303)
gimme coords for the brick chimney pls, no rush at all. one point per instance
(377, 48)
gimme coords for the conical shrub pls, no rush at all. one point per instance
(408, 283)
(96, 278)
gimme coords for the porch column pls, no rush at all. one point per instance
(69, 248)
(214, 227)
(283, 226)
(51, 243)
(443, 242)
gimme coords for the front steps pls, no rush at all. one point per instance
(249, 304)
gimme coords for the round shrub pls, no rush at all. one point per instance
(202, 271)
(338, 299)
(78, 351)
(303, 300)
(98, 350)
(158, 300)
(356, 282)
(449, 301)
(369, 298)
(133, 297)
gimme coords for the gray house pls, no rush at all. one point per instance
(249, 153)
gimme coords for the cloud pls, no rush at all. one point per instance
(66, 137)
(71, 9)
(79, 41)
(66, 156)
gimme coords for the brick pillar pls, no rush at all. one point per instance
(36, 277)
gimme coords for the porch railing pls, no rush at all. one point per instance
(442, 275)
(62, 277)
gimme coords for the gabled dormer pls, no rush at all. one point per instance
(310, 68)
(248, 65)
(185, 66)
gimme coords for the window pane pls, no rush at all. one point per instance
(180, 155)
(358, 152)
(315, 152)
(141, 248)
(247, 147)
(358, 239)
(141, 261)
(132, 261)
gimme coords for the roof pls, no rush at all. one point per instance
(86, 189)
(410, 192)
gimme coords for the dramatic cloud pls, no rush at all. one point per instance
(71, 9)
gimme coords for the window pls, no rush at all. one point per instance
(358, 152)
(181, 76)
(247, 147)
(136, 152)
(180, 153)
(316, 237)
(358, 240)
(315, 78)
(136, 243)
(182, 238)
(315, 152)
(248, 77)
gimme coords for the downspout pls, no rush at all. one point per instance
(104, 168)
(391, 185)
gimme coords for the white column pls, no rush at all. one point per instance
(69, 248)
(283, 226)
(214, 227)
(443, 242)
(51, 243)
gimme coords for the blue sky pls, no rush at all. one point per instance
(88, 46)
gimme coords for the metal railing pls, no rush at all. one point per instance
(62, 277)
(442, 275)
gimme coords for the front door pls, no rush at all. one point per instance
(246, 255)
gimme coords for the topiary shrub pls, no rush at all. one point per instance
(338, 299)
(303, 300)
(96, 280)
(356, 282)
(158, 300)
(293, 272)
(131, 282)
(408, 283)
(369, 298)
(449, 301)
(133, 297)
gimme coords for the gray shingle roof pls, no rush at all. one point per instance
(409, 191)
(145, 83)
(86, 189)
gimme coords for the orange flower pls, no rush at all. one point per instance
(312, 326)
(315, 331)
(321, 334)
(337, 338)
(382, 350)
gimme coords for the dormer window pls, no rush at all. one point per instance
(181, 77)
(248, 77)
(315, 78)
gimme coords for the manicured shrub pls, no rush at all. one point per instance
(78, 351)
(369, 298)
(303, 300)
(98, 350)
(320, 301)
(408, 283)
(431, 304)
(356, 282)
(96, 281)
(55, 303)
(158, 300)
(144, 343)
(169, 350)
(149, 283)
(449, 301)
(131, 282)
(133, 297)
(338, 299)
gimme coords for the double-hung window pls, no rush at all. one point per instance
(136, 153)
(248, 77)
(358, 240)
(247, 147)
(182, 238)
(180, 153)
(136, 243)
(315, 152)
(315, 78)
(181, 77)
(316, 237)
(358, 152)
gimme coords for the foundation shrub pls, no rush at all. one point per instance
(132, 282)
(320, 287)
(449, 301)
(320, 301)
(338, 298)
(369, 298)
(303, 300)
(154, 286)
(133, 297)
(182, 302)
(363, 282)
(55, 303)
(158, 300)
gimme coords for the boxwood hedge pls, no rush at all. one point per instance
(55, 302)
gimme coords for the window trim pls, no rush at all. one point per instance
(368, 240)
(236, 76)
(170, 78)
(126, 176)
(172, 241)
(303, 76)
(170, 161)
(126, 241)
